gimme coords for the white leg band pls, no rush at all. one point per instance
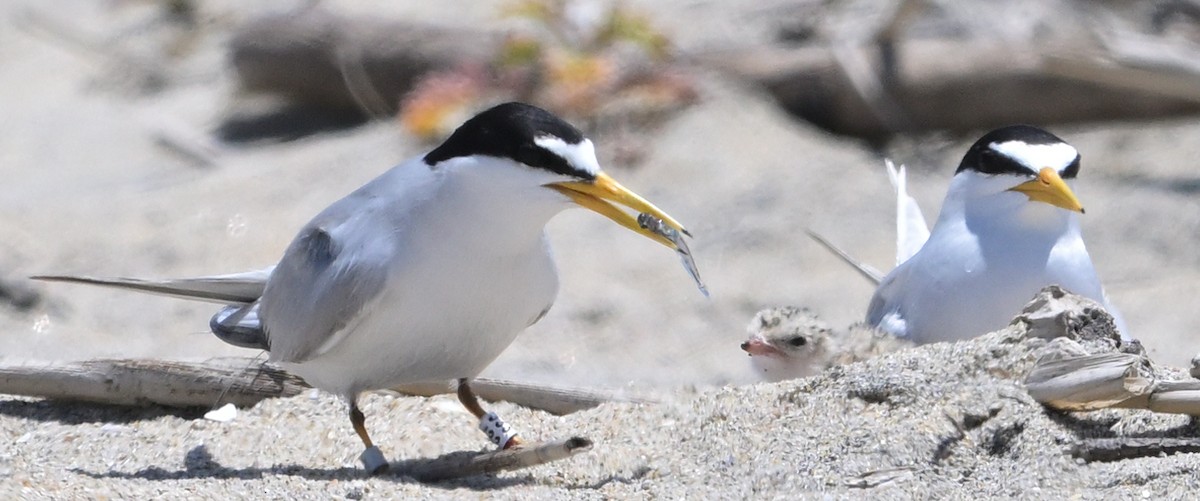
(373, 460)
(496, 429)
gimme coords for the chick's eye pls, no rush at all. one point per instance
(797, 341)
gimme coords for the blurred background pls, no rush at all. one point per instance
(177, 137)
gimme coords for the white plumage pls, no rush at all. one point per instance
(1009, 226)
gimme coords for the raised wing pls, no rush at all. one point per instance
(911, 230)
(884, 311)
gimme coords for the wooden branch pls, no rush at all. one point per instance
(152, 382)
(555, 400)
(1176, 397)
(1115, 449)
(1067, 381)
(1168, 84)
(1089, 382)
(956, 85)
(318, 58)
(243, 382)
(1154, 52)
(465, 464)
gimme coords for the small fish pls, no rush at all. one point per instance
(656, 225)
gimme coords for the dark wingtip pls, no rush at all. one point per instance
(241, 336)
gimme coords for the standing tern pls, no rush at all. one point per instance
(429, 271)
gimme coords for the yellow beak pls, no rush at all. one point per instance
(598, 194)
(1050, 188)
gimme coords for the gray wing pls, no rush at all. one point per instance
(884, 310)
(326, 277)
(239, 325)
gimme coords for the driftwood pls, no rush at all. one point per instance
(552, 399)
(152, 382)
(957, 85)
(242, 382)
(1114, 449)
(1084, 368)
(868, 81)
(1102, 380)
(465, 464)
(328, 61)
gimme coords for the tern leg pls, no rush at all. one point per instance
(371, 457)
(496, 430)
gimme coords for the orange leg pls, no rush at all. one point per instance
(489, 422)
(371, 457)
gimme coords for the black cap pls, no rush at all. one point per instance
(509, 131)
(985, 160)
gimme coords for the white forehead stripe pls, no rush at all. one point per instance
(1035, 157)
(582, 156)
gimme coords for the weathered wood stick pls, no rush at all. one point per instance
(1168, 84)
(465, 464)
(152, 382)
(1176, 397)
(1115, 449)
(242, 382)
(1071, 382)
(305, 56)
(555, 400)
(948, 84)
(1090, 382)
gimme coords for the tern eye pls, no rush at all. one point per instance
(797, 341)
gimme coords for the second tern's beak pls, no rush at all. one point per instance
(601, 194)
(1050, 188)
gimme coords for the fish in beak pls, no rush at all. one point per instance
(604, 195)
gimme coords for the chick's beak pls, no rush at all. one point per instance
(758, 347)
(602, 196)
(1050, 188)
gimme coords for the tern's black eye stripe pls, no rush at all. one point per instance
(535, 156)
(993, 162)
(1072, 170)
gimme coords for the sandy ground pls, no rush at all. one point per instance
(88, 191)
(939, 421)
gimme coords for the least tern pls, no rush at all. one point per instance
(1009, 226)
(428, 272)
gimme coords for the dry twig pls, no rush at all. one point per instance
(465, 464)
